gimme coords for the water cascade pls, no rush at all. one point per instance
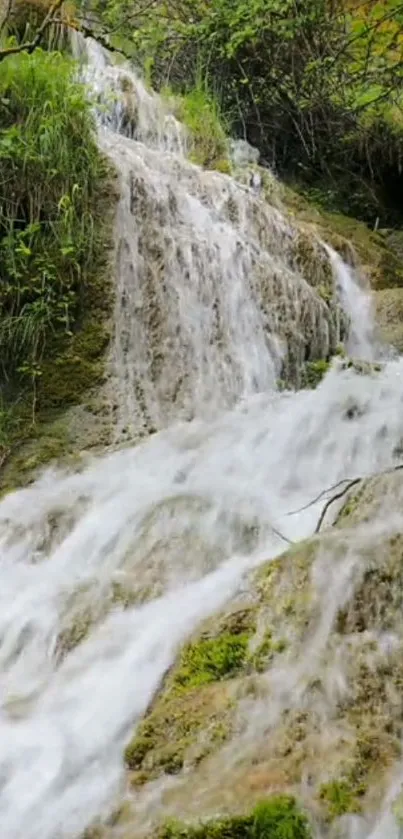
(211, 303)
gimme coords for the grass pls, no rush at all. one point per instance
(200, 112)
(340, 797)
(275, 818)
(56, 201)
(51, 174)
(212, 659)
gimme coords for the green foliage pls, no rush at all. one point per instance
(9, 424)
(340, 797)
(51, 176)
(316, 85)
(313, 372)
(274, 818)
(211, 659)
(279, 818)
(199, 110)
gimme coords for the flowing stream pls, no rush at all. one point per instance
(181, 517)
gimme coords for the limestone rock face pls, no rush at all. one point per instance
(296, 688)
(389, 315)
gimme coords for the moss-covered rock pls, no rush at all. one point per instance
(379, 260)
(194, 714)
(389, 316)
(72, 373)
(300, 689)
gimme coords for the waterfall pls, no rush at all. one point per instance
(356, 302)
(210, 301)
(202, 264)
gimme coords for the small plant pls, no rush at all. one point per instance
(279, 818)
(340, 797)
(313, 372)
(264, 653)
(212, 659)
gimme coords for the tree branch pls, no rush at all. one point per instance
(30, 46)
(330, 501)
(346, 489)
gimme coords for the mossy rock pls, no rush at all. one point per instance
(353, 239)
(72, 370)
(194, 712)
(344, 734)
(389, 316)
(180, 729)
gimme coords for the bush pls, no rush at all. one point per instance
(51, 175)
(316, 85)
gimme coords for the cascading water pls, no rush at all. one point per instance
(179, 520)
(202, 264)
(356, 302)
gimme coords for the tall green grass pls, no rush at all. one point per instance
(200, 111)
(50, 232)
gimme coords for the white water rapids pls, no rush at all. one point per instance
(181, 517)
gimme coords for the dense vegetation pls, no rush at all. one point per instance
(52, 236)
(316, 84)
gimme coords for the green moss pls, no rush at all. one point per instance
(193, 714)
(222, 165)
(325, 292)
(211, 659)
(275, 818)
(265, 652)
(340, 798)
(170, 733)
(350, 506)
(313, 372)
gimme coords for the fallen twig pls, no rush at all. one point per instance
(318, 497)
(347, 488)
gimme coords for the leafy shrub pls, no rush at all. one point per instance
(313, 372)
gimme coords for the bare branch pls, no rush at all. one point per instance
(338, 495)
(318, 497)
(347, 488)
